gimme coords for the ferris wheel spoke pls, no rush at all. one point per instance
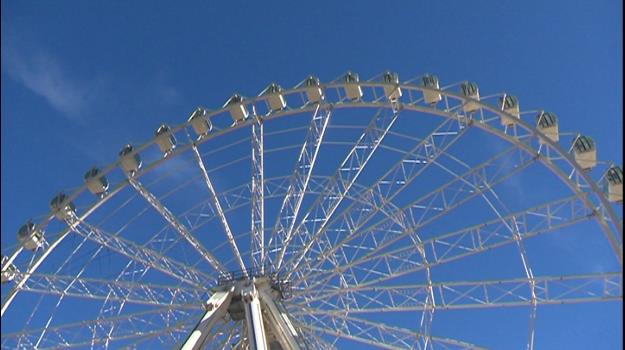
(315, 341)
(162, 242)
(141, 254)
(479, 238)
(40, 256)
(258, 195)
(427, 209)
(274, 187)
(100, 289)
(218, 209)
(154, 322)
(497, 206)
(227, 339)
(550, 290)
(379, 196)
(529, 273)
(138, 343)
(200, 214)
(302, 172)
(236, 198)
(229, 200)
(228, 333)
(379, 334)
(173, 221)
(240, 196)
(341, 182)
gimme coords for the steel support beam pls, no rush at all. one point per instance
(175, 223)
(139, 254)
(256, 335)
(218, 209)
(337, 188)
(258, 195)
(281, 324)
(302, 173)
(216, 309)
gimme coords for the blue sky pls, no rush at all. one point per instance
(80, 79)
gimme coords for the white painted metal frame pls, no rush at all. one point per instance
(77, 335)
(258, 195)
(588, 202)
(218, 209)
(255, 325)
(141, 254)
(342, 181)
(173, 221)
(217, 307)
(131, 292)
(302, 172)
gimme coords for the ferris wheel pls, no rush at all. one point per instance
(371, 214)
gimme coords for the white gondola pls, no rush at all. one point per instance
(547, 123)
(237, 108)
(29, 236)
(8, 272)
(130, 162)
(509, 104)
(352, 86)
(62, 207)
(274, 95)
(165, 139)
(391, 86)
(614, 178)
(431, 82)
(200, 122)
(314, 92)
(470, 90)
(585, 152)
(96, 183)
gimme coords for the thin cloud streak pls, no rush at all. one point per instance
(86, 101)
(44, 76)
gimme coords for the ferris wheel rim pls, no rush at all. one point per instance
(361, 104)
(385, 104)
(351, 104)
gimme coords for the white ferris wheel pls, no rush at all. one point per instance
(348, 213)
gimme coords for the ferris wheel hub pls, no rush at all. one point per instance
(253, 298)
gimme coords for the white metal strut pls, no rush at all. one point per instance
(173, 221)
(258, 195)
(302, 172)
(216, 309)
(218, 209)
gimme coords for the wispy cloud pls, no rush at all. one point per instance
(89, 98)
(43, 75)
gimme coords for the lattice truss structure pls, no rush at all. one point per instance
(328, 215)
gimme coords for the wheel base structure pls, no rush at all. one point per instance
(256, 301)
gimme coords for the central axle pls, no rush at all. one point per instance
(255, 299)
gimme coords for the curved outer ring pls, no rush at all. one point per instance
(612, 238)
